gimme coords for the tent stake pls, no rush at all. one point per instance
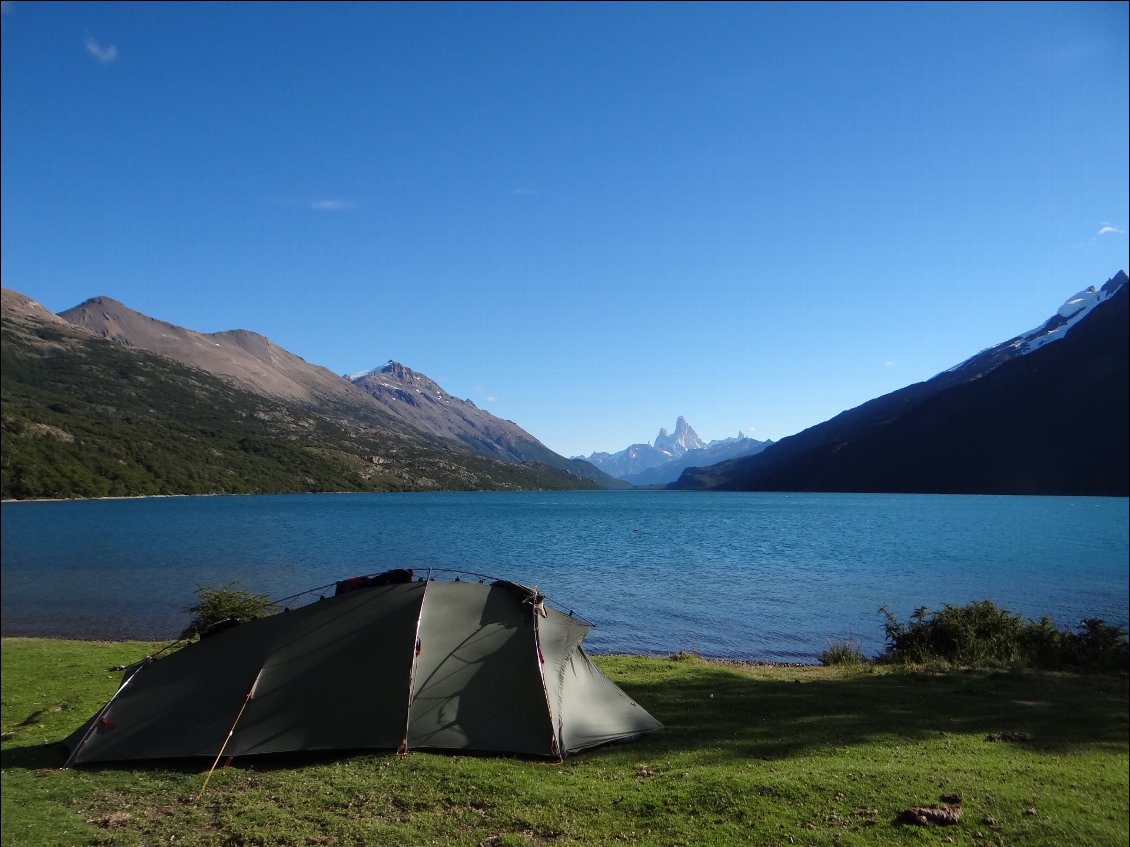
(224, 746)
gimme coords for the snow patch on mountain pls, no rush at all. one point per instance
(1056, 327)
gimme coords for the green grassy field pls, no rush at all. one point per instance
(750, 755)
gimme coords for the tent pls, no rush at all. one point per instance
(385, 663)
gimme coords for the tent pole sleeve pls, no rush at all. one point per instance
(417, 647)
(102, 713)
(231, 732)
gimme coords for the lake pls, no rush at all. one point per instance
(756, 576)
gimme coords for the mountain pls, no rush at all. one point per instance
(680, 441)
(1045, 412)
(424, 405)
(84, 416)
(712, 453)
(239, 356)
(253, 362)
(662, 461)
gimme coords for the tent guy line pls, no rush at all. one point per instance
(231, 732)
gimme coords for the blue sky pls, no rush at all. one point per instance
(586, 218)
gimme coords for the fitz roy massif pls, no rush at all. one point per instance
(101, 400)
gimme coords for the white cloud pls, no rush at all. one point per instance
(492, 399)
(105, 55)
(332, 205)
(1109, 229)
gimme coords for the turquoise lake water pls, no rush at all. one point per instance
(763, 576)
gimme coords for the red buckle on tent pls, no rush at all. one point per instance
(105, 723)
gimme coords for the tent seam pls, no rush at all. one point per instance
(555, 741)
(416, 650)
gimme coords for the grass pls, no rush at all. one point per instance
(750, 755)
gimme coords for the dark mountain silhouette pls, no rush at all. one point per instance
(1045, 413)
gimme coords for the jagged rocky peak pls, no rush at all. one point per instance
(1114, 283)
(683, 439)
(360, 375)
(398, 370)
(394, 376)
(391, 370)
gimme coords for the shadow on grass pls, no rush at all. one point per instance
(34, 757)
(729, 712)
(725, 711)
(52, 756)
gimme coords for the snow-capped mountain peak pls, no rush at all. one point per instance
(1074, 309)
(683, 439)
(666, 458)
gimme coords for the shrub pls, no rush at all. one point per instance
(1098, 646)
(846, 652)
(225, 602)
(982, 635)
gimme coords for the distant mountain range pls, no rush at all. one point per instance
(102, 400)
(670, 454)
(1045, 412)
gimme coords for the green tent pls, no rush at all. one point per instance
(386, 663)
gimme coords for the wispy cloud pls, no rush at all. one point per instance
(1105, 228)
(105, 55)
(523, 192)
(492, 399)
(332, 205)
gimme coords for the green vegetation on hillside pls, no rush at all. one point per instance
(88, 418)
(750, 755)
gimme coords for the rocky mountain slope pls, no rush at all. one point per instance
(1045, 412)
(239, 356)
(85, 417)
(424, 405)
(254, 363)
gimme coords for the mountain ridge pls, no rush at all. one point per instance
(897, 442)
(664, 459)
(239, 355)
(424, 404)
(252, 361)
(84, 416)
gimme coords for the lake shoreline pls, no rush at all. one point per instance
(680, 655)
